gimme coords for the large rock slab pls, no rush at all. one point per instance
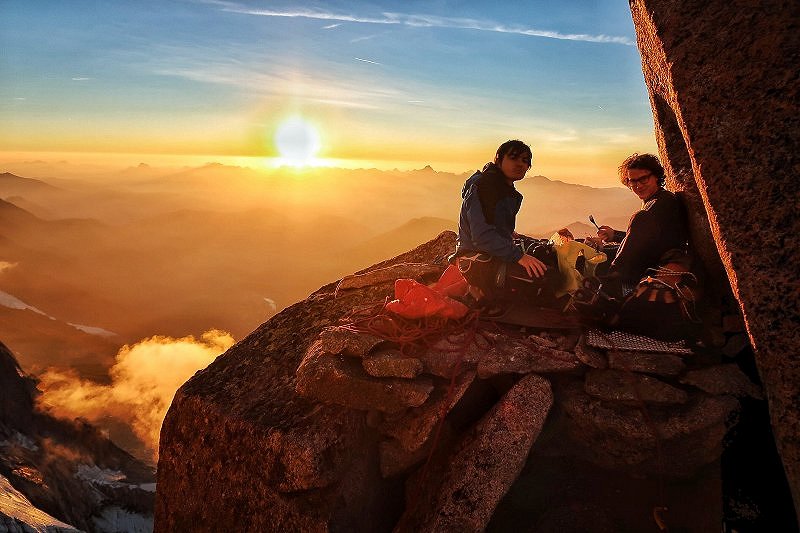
(341, 340)
(512, 356)
(722, 379)
(416, 427)
(622, 386)
(455, 353)
(391, 364)
(590, 357)
(343, 381)
(662, 364)
(723, 81)
(674, 441)
(483, 468)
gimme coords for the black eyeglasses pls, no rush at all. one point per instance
(638, 181)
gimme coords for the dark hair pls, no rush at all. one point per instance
(512, 148)
(642, 162)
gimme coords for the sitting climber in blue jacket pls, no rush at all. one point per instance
(486, 255)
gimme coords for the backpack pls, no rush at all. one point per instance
(662, 305)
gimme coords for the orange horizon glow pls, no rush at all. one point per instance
(593, 169)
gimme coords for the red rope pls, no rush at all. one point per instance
(408, 333)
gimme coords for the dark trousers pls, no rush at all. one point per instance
(501, 281)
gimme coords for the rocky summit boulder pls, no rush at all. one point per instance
(723, 82)
(287, 450)
(337, 416)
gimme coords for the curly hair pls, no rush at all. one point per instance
(512, 148)
(642, 162)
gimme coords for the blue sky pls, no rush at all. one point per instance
(438, 82)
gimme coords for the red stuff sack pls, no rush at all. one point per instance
(415, 300)
(451, 283)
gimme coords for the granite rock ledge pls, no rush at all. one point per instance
(308, 426)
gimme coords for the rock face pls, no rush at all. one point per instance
(55, 473)
(273, 459)
(725, 92)
(486, 464)
(320, 420)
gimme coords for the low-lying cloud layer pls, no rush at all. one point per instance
(143, 382)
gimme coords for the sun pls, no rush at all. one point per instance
(297, 141)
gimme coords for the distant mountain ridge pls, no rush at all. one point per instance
(399, 239)
(178, 253)
(11, 184)
(12, 214)
(277, 237)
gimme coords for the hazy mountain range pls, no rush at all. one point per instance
(88, 265)
(140, 253)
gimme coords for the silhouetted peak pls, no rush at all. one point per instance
(16, 403)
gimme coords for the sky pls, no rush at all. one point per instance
(372, 84)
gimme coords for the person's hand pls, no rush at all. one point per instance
(606, 233)
(532, 266)
(594, 242)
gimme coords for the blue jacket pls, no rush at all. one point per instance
(488, 215)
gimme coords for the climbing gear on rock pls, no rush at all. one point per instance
(662, 305)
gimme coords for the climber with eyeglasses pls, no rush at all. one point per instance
(657, 228)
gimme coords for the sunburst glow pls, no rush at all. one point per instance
(298, 142)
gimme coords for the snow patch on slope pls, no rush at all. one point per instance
(12, 302)
(16, 512)
(91, 330)
(103, 476)
(117, 519)
(20, 440)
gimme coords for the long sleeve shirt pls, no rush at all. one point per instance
(658, 227)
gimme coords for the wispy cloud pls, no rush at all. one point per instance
(331, 26)
(367, 61)
(614, 136)
(428, 21)
(305, 13)
(324, 90)
(347, 104)
(282, 79)
(80, 78)
(364, 38)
